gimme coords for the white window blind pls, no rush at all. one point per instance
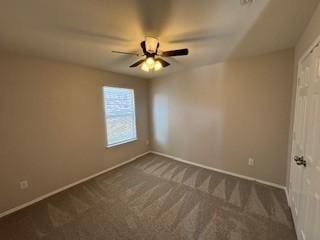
(120, 115)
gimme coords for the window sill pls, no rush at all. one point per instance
(121, 143)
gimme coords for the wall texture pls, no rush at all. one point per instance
(52, 130)
(222, 114)
(310, 35)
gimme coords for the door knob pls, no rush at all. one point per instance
(297, 158)
(300, 161)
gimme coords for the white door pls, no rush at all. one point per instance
(304, 188)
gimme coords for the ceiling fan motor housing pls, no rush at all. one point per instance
(151, 44)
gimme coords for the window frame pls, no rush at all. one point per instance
(107, 145)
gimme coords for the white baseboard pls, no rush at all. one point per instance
(287, 194)
(221, 171)
(12, 210)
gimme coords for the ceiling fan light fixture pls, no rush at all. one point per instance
(157, 66)
(145, 67)
(150, 62)
(151, 44)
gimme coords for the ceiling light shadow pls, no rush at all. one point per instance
(154, 16)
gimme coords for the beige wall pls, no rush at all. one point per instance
(52, 126)
(311, 33)
(52, 129)
(222, 114)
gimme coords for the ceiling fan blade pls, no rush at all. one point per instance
(143, 46)
(163, 62)
(178, 52)
(137, 63)
(129, 53)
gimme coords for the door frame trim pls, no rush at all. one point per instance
(309, 50)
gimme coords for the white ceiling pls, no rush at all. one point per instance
(85, 31)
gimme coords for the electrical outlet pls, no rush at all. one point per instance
(251, 162)
(24, 184)
(147, 142)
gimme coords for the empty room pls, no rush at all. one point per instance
(167, 120)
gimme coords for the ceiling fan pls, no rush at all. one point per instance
(152, 60)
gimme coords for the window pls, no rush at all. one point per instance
(120, 115)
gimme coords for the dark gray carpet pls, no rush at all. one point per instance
(157, 198)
